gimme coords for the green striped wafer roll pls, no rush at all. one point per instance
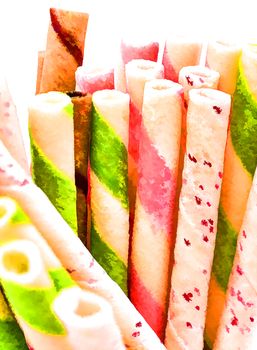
(239, 167)
(11, 336)
(109, 183)
(52, 150)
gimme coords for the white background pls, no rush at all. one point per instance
(23, 29)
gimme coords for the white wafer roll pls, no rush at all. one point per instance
(89, 320)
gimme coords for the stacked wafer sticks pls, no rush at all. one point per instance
(144, 164)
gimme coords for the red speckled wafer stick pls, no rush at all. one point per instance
(90, 81)
(207, 123)
(240, 313)
(153, 234)
(179, 52)
(128, 52)
(64, 50)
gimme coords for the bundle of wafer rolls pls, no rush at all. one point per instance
(132, 222)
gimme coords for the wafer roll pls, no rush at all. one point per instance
(207, 123)
(90, 81)
(64, 50)
(52, 150)
(196, 77)
(138, 72)
(239, 316)
(82, 106)
(11, 336)
(109, 183)
(179, 52)
(40, 65)
(72, 253)
(223, 57)
(84, 316)
(239, 167)
(128, 52)
(154, 232)
(10, 130)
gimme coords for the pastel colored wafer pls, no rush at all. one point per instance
(69, 318)
(238, 321)
(52, 149)
(109, 183)
(179, 52)
(223, 57)
(207, 123)
(239, 167)
(131, 51)
(196, 77)
(10, 128)
(138, 72)
(154, 230)
(11, 336)
(82, 107)
(73, 255)
(64, 50)
(89, 81)
(40, 65)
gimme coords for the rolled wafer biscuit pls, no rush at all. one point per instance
(90, 81)
(239, 316)
(207, 123)
(180, 51)
(128, 52)
(223, 57)
(196, 77)
(89, 320)
(154, 231)
(84, 316)
(40, 65)
(82, 106)
(64, 50)
(52, 149)
(109, 183)
(10, 129)
(138, 72)
(11, 336)
(72, 253)
(239, 167)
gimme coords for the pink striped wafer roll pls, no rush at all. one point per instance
(138, 72)
(179, 52)
(207, 123)
(154, 234)
(89, 81)
(240, 313)
(128, 52)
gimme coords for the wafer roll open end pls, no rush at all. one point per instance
(195, 77)
(50, 101)
(87, 316)
(7, 209)
(20, 263)
(208, 97)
